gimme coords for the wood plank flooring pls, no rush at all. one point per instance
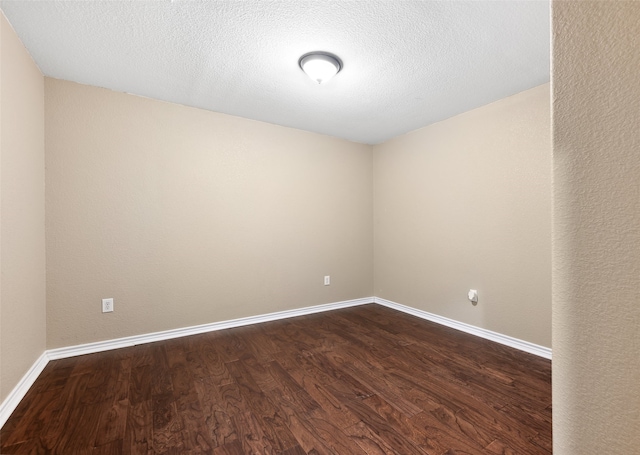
(363, 380)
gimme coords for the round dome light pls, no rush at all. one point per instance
(320, 66)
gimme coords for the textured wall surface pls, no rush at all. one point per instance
(187, 217)
(406, 63)
(22, 250)
(466, 203)
(596, 261)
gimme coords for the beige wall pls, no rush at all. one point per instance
(22, 251)
(596, 310)
(466, 204)
(187, 217)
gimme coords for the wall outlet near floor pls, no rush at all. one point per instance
(473, 296)
(327, 280)
(107, 305)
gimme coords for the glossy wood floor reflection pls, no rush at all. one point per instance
(363, 380)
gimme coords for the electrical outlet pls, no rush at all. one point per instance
(327, 280)
(107, 305)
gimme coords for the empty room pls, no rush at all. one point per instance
(319, 227)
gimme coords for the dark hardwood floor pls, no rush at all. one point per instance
(363, 380)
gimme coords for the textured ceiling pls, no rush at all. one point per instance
(406, 63)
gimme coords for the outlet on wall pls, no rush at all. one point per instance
(327, 280)
(107, 305)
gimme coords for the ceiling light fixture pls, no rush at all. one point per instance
(320, 66)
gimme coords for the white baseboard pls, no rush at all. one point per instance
(516, 343)
(20, 390)
(89, 348)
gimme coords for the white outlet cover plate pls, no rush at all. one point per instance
(107, 305)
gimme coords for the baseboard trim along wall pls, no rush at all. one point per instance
(20, 390)
(72, 351)
(516, 343)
